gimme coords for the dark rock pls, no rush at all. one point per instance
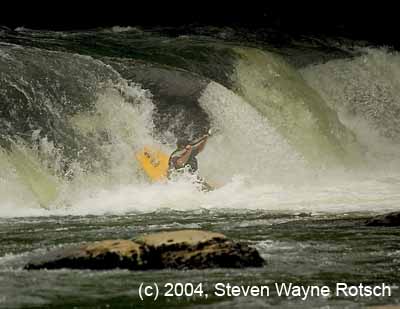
(391, 219)
(107, 254)
(186, 249)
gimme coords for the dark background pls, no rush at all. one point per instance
(375, 22)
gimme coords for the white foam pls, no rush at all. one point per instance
(256, 166)
(334, 197)
(119, 29)
(245, 143)
(365, 92)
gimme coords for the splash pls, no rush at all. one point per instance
(255, 149)
(275, 138)
(279, 92)
(364, 91)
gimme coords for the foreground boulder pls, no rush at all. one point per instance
(186, 249)
(199, 249)
(391, 219)
(107, 254)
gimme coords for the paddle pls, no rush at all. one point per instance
(207, 186)
(201, 139)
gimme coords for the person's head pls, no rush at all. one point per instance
(182, 142)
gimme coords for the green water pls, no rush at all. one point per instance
(302, 250)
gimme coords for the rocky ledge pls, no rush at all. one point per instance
(185, 249)
(390, 219)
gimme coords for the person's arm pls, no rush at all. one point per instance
(181, 161)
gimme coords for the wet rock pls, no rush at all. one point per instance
(189, 249)
(107, 254)
(391, 219)
(177, 239)
(186, 249)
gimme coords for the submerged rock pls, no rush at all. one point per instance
(107, 254)
(390, 219)
(186, 249)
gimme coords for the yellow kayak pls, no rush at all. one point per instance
(154, 162)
